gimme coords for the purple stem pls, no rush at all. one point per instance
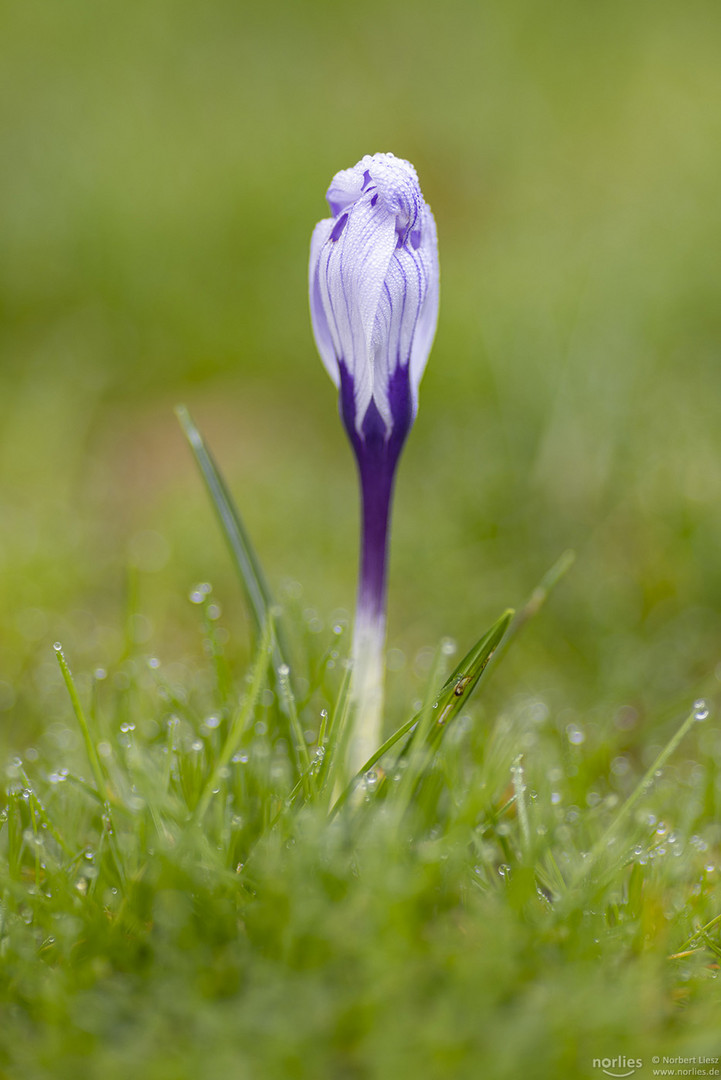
(377, 452)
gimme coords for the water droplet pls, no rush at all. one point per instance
(555, 797)
(196, 745)
(212, 722)
(370, 780)
(153, 663)
(240, 758)
(214, 611)
(58, 646)
(99, 674)
(125, 728)
(575, 735)
(538, 712)
(199, 592)
(504, 870)
(700, 710)
(448, 646)
(283, 671)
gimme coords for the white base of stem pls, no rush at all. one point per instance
(366, 692)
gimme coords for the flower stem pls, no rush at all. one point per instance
(376, 472)
(377, 448)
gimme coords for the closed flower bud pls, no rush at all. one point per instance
(374, 293)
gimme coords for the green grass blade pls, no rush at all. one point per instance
(259, 596)
(334, 745)
(452, 697)
(287, 702)
(90, 750)
(609, 837)
(536, 600)
(461, 684)
(240, 722)
(373, 760)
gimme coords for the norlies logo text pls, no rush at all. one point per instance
(618, 1066)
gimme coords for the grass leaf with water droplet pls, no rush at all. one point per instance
(457, 689)
(257, 590)
(427, 727)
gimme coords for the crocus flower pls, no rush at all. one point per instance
(374, 308)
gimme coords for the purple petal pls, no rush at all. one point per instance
(374, 285)
(318, 317)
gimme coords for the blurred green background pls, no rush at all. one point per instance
(162, 164)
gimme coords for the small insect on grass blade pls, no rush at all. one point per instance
(456, 691)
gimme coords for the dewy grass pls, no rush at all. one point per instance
(195, 917)
(202, 906)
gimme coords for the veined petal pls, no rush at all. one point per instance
(345, 188)
(374, 284)
(318, 316)
(425, 330)
(352, 271)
